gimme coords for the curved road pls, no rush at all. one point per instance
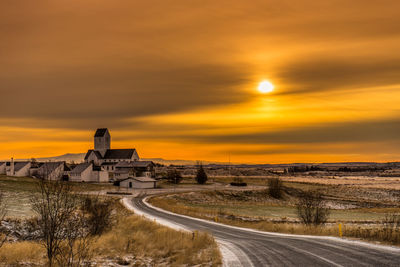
(254, 248)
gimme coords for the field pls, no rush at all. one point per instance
(132, 240)
(18, 190)
(361, 208)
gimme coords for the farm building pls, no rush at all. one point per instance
(51, 170)
(19, 168)
(138, 183)
(124, 170)
(87, 172)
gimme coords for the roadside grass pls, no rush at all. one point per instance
(131, 239)
(356, 223)
(270, 211)
(144, 238)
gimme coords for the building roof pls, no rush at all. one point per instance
(141, 179)
(137, 164)
(109, 163)
(81, 167)
(119, 153)
(19, 165)
(100, 132)
(144, 179)
(51, 166)
(96, 153)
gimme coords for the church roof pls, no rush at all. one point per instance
(119, 153)
(138, 164)
(97, 153)
(100, 132)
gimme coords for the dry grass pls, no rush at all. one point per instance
(143, 238)
(16, 254)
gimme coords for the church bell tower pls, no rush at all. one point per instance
(102, 140)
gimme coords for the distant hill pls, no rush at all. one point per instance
(80, 157)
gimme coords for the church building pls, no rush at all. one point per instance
(102, 154)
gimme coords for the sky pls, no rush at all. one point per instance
(178, 79)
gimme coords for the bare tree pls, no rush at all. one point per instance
(54, 205)
(173, 176)
(3, 213)
(311, 208)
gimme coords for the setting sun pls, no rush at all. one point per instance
(265, 87)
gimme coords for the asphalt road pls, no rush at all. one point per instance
(253, 248)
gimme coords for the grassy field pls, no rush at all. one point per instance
(257, 205)
(18, 191)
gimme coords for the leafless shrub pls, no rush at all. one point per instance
(275, 187)
(98, 212)
(75, 248)
(391, 227)
(311, 208)
(173, 176)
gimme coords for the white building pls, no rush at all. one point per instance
(3, 168)
(51, 170)
(138, 183)
(19, 168)
(87, 172)
(124, 169)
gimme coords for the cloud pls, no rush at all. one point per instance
(111, 94)
(354, 132)
(324, 74)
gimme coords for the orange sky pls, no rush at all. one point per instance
(178, 79)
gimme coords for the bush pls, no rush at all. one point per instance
(201, 176)
(237, 181)
(98, 212)
(174, 176)
(311, 208)
(275, 187)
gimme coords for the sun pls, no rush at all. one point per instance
(265, 87)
